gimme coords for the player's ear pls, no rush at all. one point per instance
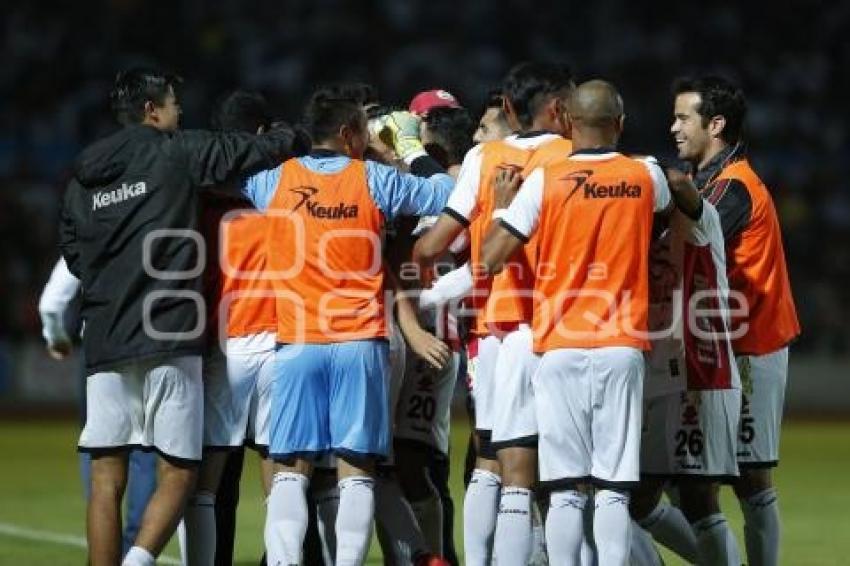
(571, 122)
(510, 113)
(716, 125)
(557, 110)
(150, 109)
(345, 135)
(507, 107)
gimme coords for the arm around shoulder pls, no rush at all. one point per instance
(216, 157)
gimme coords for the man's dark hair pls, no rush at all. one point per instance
(528, 86)
(242, 111)
(495, 99)
(363, 93)
(452, 129)
(135, 87)
(718, 97)
(378, 110)
(329, 109)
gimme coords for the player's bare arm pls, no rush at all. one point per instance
(423, 343)
(501, 243)
(498, 248)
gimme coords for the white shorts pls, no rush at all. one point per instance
(156, 403)
(424, 407)
(588, 414)
(237, 392)
(480, 371)
(763, 380)
(514, 412)
(691, 433)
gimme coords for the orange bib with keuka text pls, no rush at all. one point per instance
(324, 256)
(593, 255)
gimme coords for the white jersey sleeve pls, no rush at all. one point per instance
(661, 191)
(452, 286)
(523, 216)
(463, 202)
(688, 310)
(60, 290)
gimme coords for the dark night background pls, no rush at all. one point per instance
(792, 59)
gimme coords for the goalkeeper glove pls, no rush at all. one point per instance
(401, 132)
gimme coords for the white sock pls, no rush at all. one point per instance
(181, 541)
(480, 507)
(327, 505)
(668, 526)
(429, 516)
(198, 542)
(138, 556)
(715, 542)
(399, 533)
(643, 551)
(565, 526)
(611, 525)
(588, 545)
(538, 537)
(512, 544)
(762, 528)
(286, 518)
(354, 520)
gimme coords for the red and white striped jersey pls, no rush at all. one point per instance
(689, 308)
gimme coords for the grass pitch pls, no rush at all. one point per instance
(42, 508)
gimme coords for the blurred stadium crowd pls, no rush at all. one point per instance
(58, 63)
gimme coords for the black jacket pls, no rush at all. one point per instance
(137, 190)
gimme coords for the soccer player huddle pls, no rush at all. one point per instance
(315, 291)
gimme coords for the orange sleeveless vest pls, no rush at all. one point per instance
(755, 263)
(251, 307)
(325, 256)
(594, 235)
(506, 298)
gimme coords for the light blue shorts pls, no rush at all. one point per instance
(330, 398)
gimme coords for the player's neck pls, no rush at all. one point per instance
(714, 149)
(593, 140)
(331, 146)
(542, 125)
(152, 122)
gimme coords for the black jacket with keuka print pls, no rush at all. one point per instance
(129, 232)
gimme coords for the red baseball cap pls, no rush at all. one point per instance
(428, 99)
